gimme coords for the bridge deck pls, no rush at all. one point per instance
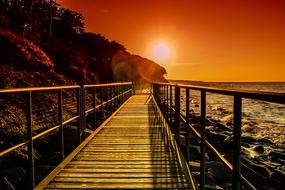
(129, 151)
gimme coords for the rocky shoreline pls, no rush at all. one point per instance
(263, 162)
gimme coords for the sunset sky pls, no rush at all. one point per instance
(209, 40)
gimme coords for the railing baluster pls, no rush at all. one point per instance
(203, 136)
(101, 108)
(94, 106)
(79, 114)
(236, 143)
(134, 89)
(177, 114)
(61, 135)
(170, 114)
(187, 126)
(83, 125)
(167, 106)
(30, 138)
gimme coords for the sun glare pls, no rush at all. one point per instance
(160, 52)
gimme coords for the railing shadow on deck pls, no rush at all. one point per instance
(165, 93)
(174, 150)
(105, 98)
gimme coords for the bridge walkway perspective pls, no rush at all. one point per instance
(130, 150)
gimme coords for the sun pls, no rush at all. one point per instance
(160, 52)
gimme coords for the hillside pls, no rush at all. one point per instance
(43, 48)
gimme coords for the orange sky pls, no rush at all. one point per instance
(210, 40)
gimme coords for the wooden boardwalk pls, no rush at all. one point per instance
(129, 151)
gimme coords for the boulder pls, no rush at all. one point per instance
(259, 149)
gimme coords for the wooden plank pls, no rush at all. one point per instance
(114, 166)
(120, 170)
(121, 175)
(120, 162)
(118, 180)
(130, 151)
(129, 159)
(117, 185)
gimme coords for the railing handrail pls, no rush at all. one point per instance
(32, 89)
(80, 115)
(107, 84)
(275, 97)
(12, 90)
(161, 92)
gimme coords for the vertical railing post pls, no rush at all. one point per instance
(30, 139)
(203, 136)
(117, 94)
(170, 114)
(177, 114)
(236, 143)
(101, 107)
(167, 106)
(61, 135)
(112, 96)
(134, 89)
(107, 99)
(94, 106)
(83, 125)
(163, 97)
(187, 125)
(79, 112)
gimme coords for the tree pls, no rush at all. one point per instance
(50, 17)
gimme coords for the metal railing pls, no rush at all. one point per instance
(115, 94)
(163, 94)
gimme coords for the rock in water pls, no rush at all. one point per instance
(247, 128)
(259, 149)
(221, 174)
(228, 118)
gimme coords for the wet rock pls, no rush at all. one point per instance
(248, 122)
(278, 175)
(256, 169)
(5, 184)
(228, 118)
(210, 128)
(247, 128)
(219, 171)
(214, 136)
(248, 139)
(277, 155)
(259, 149)
(264, 140)
(221, 127)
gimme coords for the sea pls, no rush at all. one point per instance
(260, 119)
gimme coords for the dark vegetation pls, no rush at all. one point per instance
(39, 37)
(44, 44)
